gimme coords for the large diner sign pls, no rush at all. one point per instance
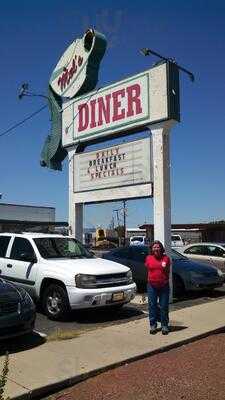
(121, 166)
(135, 102)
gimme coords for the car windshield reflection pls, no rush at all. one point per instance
(58, 247)
(178, 256)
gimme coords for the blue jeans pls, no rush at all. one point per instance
(163, 295)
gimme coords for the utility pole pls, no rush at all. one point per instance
(117, 216)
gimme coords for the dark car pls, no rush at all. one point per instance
(187, 274)
(17, 311)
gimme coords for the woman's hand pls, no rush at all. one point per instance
(166, 267)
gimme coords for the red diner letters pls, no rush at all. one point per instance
(112, 107)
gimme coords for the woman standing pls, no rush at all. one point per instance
(158, 266)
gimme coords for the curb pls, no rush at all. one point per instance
(52, 389)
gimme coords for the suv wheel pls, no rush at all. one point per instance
(55, 302)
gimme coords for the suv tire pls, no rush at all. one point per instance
(55, 302)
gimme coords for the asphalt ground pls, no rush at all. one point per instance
(194, 371)
(93, 319)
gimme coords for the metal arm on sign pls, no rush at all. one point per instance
(147, 52)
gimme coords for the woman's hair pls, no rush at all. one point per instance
(160, 244)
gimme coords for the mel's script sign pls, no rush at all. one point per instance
(132, 103)
(121, 165)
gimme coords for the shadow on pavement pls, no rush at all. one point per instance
(176, 328)
(21, 343)
(98, 318)
(105, 315)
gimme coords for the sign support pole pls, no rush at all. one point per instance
(78, 218)
(75, 209)
(161, 185)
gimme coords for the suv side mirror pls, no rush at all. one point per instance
(28, 257)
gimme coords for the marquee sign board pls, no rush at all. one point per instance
(135, 102)
(104, 171)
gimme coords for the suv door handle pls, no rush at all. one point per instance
(9, 265)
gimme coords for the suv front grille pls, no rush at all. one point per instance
(111, 280)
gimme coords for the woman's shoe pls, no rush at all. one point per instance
(153, 330)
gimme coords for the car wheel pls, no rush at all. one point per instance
(178, 286)
(55, 302)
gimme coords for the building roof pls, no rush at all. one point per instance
(199, 226)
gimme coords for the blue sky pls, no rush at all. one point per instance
(33, 37)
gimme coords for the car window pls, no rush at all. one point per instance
(122, 253)
(175, 238)
(201, 250)
(139, 253)
(21, 245)
(4, 241)
(215, 251)
(177, 256)
(137, 239)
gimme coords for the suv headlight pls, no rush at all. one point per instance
(129, 277)
(85, 281)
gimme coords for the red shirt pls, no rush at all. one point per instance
(158, 276)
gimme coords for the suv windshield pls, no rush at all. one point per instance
(175, 238)
(137, 239)
(61, 247)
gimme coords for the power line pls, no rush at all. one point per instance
(23, 121)
(42, 108)
(39, 110)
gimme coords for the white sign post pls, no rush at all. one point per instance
(161, 178)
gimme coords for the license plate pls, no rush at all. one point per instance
(117, 296)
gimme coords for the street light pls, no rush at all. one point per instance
(25, 92)
(147, 52)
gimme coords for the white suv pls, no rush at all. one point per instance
(176, 241)
(137, 240)
(62, 274)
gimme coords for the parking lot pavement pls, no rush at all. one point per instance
(172, 375)
(137, 309)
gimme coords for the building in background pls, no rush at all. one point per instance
(19, 218)
(191, 233)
